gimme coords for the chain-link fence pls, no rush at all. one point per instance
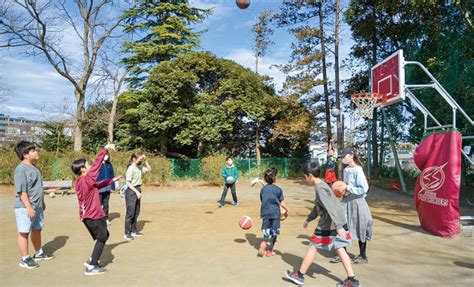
(248, 167)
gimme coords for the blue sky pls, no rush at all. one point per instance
(39, 92)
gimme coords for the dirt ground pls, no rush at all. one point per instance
(189, 241)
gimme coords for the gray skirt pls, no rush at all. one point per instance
(359, 218)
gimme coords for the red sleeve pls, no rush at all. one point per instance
(93, 172)
(105, 182)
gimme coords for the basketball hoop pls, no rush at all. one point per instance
(366, 102)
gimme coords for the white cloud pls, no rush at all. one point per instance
(246, 58)
(35, 87)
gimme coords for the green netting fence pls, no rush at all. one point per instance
(248, 167)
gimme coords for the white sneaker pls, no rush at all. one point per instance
(137, 234)
(108, 222)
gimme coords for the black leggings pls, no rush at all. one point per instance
(232, 190)
(362, 248)
(133, 205)
(98, 230)
(104, 200)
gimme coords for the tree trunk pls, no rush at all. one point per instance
(340, 131)
(257, 125)
(79, 121)
(200, 148)
(163, 148)
(257, 143)
(325, 78)
(110, 127)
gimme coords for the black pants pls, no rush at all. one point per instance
(133, 210)
(232, 190)
(104, 200)
(98, 230)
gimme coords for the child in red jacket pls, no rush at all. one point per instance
(90, 209)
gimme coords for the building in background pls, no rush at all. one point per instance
(13, 130)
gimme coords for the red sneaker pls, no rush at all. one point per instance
(270, 253)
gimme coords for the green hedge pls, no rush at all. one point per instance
(211, 167)
(55, 166)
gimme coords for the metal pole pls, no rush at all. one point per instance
(369, 141)
(394, 151)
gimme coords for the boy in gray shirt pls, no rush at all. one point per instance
(331, 232)
(29, 204)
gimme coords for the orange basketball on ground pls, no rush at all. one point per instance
(245, 222)
(283, 214)
(242, 4)
(339, 188)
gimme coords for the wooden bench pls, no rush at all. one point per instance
(58, 186)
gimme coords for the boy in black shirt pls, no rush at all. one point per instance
(272, 198)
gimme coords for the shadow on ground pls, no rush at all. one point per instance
(57, 243)
(114, 215)
(107, 256)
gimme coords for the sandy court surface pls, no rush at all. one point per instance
(189, 241)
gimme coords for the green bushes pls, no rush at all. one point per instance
(55, 166)
(211, 167)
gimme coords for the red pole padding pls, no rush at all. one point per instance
(437, 188)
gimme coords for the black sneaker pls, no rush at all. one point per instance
(42, 256)
(128, 237)
(28, 263)
(294, 277)
(137, 234)
(349, 283)
(95, 270)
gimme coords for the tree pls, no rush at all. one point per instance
(435, 33)
(28, 25)
(308, 58)
(110, 84)
(163, 31)
(55, 137)
(198, 98)
(262, 31)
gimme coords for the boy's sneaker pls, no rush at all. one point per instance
(270, 253)
(236, 204)
(28, 263)
(137, 234)
(294, 277)
(42, 256)
(349, 283)
(221, 205)
(128, 237)
(335, 259)
(95, 270)
(360, 260)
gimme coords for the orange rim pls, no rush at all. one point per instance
(365, 95)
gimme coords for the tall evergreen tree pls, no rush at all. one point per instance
(262, 31)
(162, 30)
(308, 60)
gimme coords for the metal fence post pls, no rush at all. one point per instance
(286, 167)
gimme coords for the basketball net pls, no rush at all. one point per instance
(366, 102)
